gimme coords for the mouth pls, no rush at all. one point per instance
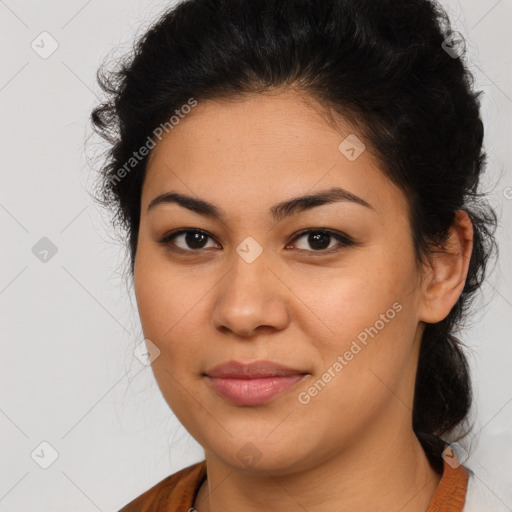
(252, 384)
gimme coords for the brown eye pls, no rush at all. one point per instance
(322, 240)
(188, 240)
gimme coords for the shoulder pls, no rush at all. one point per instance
(174, 492)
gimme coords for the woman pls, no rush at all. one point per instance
(298, 181)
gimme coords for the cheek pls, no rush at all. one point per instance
(165, 302)
(171, 306)
(165, 296)
(341, 302)
(362, 322)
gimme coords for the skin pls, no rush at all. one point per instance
(294, 304)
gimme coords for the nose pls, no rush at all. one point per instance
(251, 298)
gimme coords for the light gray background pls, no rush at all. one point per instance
(68, 326)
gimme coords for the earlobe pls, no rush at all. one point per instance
(448, 270)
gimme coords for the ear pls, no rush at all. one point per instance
(446, 275)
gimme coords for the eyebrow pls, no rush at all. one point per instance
(277, 212)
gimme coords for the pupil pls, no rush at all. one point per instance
(319, 240)
(193, 237)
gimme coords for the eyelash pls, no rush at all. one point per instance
(343, 240)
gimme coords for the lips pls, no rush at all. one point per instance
(258, 369)
(252, 384)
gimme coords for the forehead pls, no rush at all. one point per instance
(274, 119)
(275, 145)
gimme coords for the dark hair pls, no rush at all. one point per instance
(381, 65)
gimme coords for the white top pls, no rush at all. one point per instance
(486, 494)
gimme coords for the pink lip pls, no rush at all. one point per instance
(252, 384)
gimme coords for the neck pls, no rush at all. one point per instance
(388, 473)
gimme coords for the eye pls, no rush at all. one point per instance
(190, 239)
(320, 240)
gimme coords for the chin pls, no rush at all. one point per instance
(256, 454)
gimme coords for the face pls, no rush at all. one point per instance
(325, 287)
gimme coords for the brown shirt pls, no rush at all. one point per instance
(177, 492)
